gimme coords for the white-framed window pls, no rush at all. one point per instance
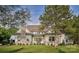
(51, 38)
(34, 32)
(38, 32)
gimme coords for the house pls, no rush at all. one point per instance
(31, 34)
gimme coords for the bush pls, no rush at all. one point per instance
(5, 34)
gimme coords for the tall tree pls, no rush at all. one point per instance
(13, 15)
(61, 18)
(76, 34)
(54, 15)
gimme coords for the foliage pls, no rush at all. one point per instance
(60, 18)
(53, 15)
(5, 34)
(13, 15)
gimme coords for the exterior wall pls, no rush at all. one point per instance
(13, 39)
(36, 39)
(29, 37)
(58, 39)
(46, 37)
(47, 42)
(23, 40)
(61, 39)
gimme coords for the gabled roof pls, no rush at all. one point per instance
(23, 30)
(29, 29)
(34, 28)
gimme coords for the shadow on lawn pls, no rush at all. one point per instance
(61, 51)
(15, 50)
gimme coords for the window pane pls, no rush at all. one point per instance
(53, 39)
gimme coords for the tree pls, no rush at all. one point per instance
(13, 16)
(22, 16)
(5, 34)
(61, 18)
(76, 34)
(54, 15)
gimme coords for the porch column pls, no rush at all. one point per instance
(46, 39)
(32, 39)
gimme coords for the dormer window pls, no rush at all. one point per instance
(41, 33)
(34, 32)
(37, 32)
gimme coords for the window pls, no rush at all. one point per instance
(34, 32)
(41, 32)
(51, 38)
(13, 40)
(18, 40)
(27, 39)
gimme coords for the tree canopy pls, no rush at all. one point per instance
(5, 34)
(53, 15)
(61, 19)
(13, 15)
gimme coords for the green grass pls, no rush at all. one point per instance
(38, 49)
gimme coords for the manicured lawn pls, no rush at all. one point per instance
(38, 49)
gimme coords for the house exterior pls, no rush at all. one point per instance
(31, 34)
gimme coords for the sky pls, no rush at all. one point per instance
(75, 8)
(37, 10)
